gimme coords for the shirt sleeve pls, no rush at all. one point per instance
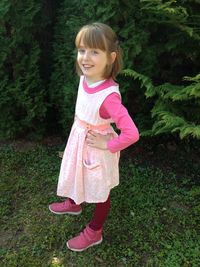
(114, 109)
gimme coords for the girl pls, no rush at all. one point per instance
(89, 166)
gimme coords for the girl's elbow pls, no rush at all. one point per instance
(136, 136)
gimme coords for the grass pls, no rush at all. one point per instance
(153, 222)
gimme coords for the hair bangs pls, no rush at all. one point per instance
(92, 38)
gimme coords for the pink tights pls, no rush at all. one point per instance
(100, 214)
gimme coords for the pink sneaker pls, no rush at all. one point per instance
(65, 207)
(85, 239)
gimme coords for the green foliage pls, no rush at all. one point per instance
(22, 100)
(144, 80)
(169, 116)
(172, 49)
(64, 82)
(160, 41)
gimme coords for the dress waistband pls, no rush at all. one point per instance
(88, 126)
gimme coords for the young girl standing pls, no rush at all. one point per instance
(89, 168)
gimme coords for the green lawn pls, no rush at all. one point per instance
(153, 220)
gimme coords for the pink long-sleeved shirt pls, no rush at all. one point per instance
(113, 108)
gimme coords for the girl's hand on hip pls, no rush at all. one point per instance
(97, 140)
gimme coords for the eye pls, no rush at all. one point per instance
(94, 52)
(81, 51)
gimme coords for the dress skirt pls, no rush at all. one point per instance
(87, 174)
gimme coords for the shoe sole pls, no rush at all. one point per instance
(82, 249)
(65, 212)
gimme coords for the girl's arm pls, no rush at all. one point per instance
(113, 108)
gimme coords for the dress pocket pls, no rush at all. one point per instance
(92, 172)
(91, 166)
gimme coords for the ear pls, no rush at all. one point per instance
(112, 57)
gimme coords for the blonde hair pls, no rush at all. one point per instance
(101, 36)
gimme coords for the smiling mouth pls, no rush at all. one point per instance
(86, 66)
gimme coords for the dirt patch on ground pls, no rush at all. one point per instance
(25, 145)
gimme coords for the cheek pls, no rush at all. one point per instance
(78, 59)
(106, 63)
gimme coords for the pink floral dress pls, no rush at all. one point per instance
(87, 174)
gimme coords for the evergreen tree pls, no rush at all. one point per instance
(170, 54)
(22, 94)
(159, 84)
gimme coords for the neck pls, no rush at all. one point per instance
(90, 82)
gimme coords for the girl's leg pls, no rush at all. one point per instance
(100, 215)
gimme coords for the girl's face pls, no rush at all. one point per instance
(92, 63)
